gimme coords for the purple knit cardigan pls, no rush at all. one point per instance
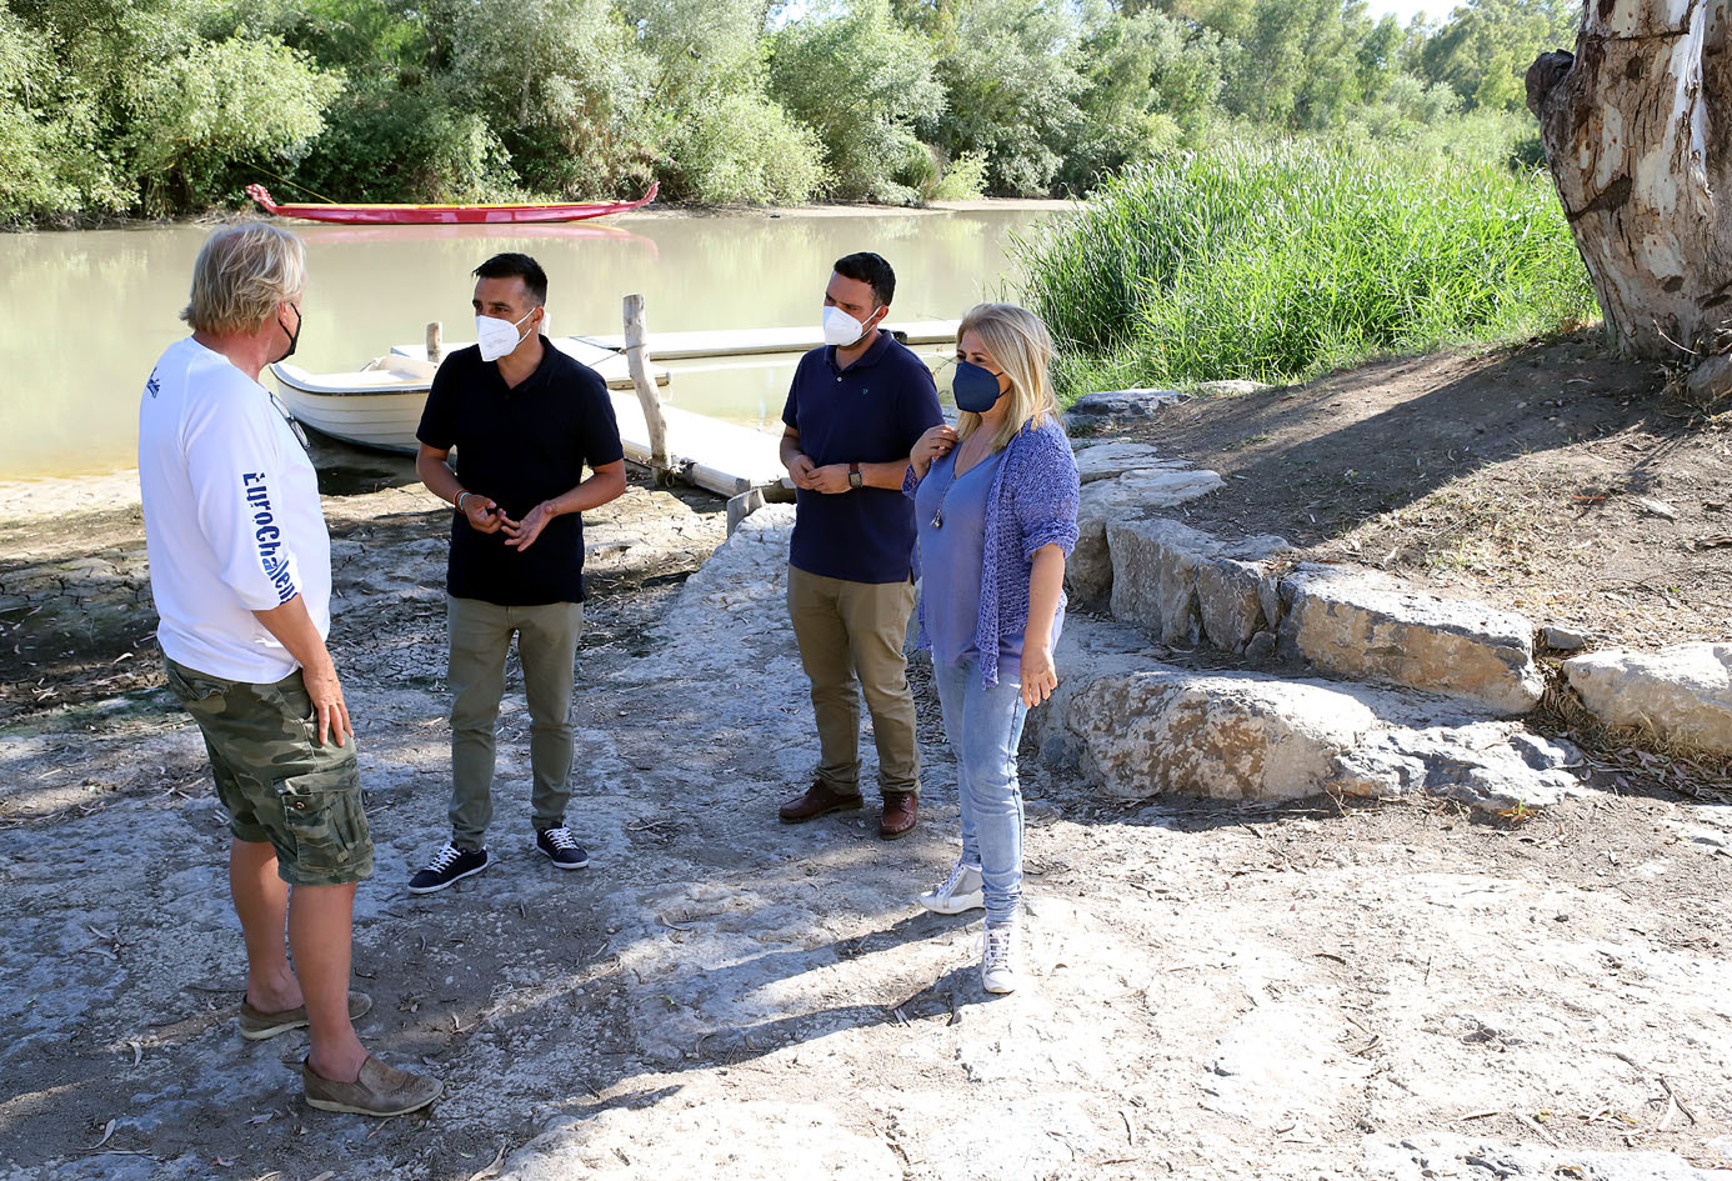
(1033, 503)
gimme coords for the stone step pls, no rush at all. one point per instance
(1188, 588)
(1162, 568)
(1139, 728)
(1365, 625)
(1129, 495)
(1681, 694)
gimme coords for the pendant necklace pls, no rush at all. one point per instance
(938, 517)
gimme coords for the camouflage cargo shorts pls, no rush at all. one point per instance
(275, 780)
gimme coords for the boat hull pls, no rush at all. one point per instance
(422, 215)
(380, 408)
(721, 457)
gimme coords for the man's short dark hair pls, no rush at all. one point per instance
(866, 267)
(517, 266)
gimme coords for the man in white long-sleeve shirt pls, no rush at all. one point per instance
(240, 567)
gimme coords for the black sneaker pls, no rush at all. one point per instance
(449, 865)
(557, 844)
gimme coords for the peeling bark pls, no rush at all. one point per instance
(1636, 133)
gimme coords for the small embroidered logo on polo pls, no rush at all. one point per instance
(153, 386)
(864, 390)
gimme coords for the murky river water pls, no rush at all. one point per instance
(85, 314)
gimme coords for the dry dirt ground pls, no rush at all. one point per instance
(1309, 992)
(1548, 478)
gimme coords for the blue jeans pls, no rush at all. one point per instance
(984, 725)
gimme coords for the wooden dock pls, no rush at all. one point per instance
(722, 457)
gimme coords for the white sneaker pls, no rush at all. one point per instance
(961, 891)
(998, 964)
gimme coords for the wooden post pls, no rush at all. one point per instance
(435, 342)
(647, 397)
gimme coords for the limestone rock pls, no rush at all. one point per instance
(1134, 403)
(1229, 602)
(1156, 580)
(1226, 736)
(1155, 577)
(1491, 764)
(1234, 388)
(1365, 625)
(1682, 694)
(1089, 572)
(1563, 639)
(1103, 461)
(1088, 649)
(1139, 728)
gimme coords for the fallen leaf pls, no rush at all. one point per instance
(107, 1131)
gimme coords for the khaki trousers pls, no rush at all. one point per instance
(851, 634)
(481, 634)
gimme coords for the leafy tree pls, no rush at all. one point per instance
(194, 116)
(46, 165)
(1485, 48)
(560, 82)
(860, 81)
(743, 147)
(721, 136)
(1011, 76)
(1150, 83)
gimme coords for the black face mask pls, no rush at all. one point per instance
(294, 337)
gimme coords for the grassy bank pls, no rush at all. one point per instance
(1281, 261)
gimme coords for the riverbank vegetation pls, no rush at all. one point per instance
(159, 107)
(1283, 260)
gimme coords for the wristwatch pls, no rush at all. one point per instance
(854, 479)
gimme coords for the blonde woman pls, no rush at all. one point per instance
(995, 500)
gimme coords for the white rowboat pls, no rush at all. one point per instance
(380, 406)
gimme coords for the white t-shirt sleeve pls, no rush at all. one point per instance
(235, 468)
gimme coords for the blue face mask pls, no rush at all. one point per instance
(974, 388)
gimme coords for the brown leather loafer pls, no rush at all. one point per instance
(381, 1090)
(819, 800)
(901, 813)
(256, 1026)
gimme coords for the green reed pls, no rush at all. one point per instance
(1278, 262)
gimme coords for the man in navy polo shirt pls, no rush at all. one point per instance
(524, 418)
(855, 409)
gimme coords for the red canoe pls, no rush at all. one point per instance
(419, 215)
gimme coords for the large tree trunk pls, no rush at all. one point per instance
(1637, 133)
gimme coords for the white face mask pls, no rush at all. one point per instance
(499, 337)
(841, 329)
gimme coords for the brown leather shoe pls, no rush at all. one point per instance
(819, 800)
(380, 1090)
(901, 813)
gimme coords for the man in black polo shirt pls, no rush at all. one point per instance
(855, 409)
(525, 418)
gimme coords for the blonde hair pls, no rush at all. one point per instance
(242, 273)
(1017, 340)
